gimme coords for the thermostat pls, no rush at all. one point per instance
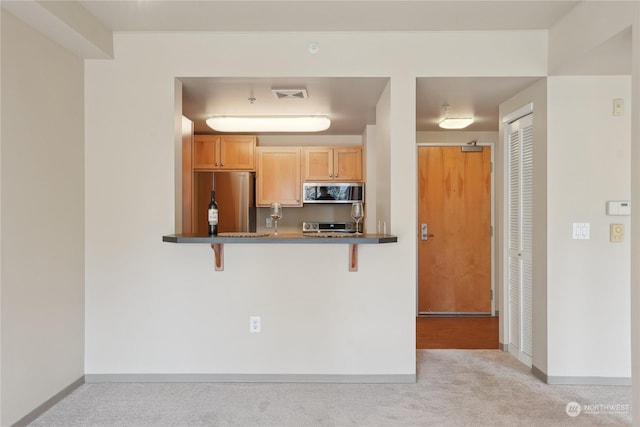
(619, 207)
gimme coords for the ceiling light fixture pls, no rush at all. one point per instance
(269, 123)
(451, 123)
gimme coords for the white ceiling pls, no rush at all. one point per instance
(340, 15)
(351, 100)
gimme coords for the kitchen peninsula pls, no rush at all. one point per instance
(217, 242)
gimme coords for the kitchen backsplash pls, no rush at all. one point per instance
(293, 218)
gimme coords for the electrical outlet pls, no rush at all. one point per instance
(269, 223)
(618, 107)
(254, 324)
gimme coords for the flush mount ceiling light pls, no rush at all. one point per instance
(269, 123)
(451, 123)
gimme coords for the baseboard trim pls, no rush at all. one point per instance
(624, 381)
(503, 347)
(539, 374)
(250, 378)
(555, 380)
(41, 409)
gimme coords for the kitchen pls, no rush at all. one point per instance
(275, 164)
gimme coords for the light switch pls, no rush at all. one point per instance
(616, 233)
(581, 230)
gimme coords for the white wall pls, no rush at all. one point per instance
(588, 281)
(369, 147)
(589, 25)
(155, 307)
(42, 228)
(634, 301)
(456, 137)
(381, 148)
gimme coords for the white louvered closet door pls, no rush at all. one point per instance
(520, 238)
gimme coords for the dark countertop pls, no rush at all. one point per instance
(283, 238)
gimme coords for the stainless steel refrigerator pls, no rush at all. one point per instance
(235, 195)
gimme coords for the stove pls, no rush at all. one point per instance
(329, 227)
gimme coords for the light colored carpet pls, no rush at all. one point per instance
(454, 388)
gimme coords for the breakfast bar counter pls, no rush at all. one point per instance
(315, 238)
(217, 242)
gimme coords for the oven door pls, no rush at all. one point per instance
(331, 192)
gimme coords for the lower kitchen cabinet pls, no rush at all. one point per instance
(278, 176)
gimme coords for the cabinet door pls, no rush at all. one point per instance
(347, 164)
(205, 152)
(278, 176)
(318, 164)
(237, 152)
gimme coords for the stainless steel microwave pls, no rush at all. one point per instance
(333, 192)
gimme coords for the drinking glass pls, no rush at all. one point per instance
(276, 214)
(357, 213)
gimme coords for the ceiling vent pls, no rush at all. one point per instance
(290, 93)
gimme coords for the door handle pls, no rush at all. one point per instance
(424, 235)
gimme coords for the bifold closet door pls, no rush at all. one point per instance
(520, 237)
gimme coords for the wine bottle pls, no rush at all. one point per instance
(213, 215)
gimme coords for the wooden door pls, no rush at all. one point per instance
(318, 164)
(237, 152)
(278, 176)
(205, 152)
(454, 272)
(347, 164)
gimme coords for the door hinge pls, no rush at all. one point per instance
(491, 163)
(491, 294)
(492, 231)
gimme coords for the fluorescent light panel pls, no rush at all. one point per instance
(455, 123)
(269, 123)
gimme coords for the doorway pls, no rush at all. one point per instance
(455, 248)
(455, 274)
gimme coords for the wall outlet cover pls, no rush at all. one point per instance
(616, 232)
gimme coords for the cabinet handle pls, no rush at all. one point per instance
(336, 175)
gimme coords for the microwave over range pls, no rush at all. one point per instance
(333, 192)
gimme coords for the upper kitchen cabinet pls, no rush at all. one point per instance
(278, 176)
(332, 163)
(224, 152)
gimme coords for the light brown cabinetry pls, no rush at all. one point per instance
(202, 155)
(278, 176)
(224, 152)
(332, 163)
